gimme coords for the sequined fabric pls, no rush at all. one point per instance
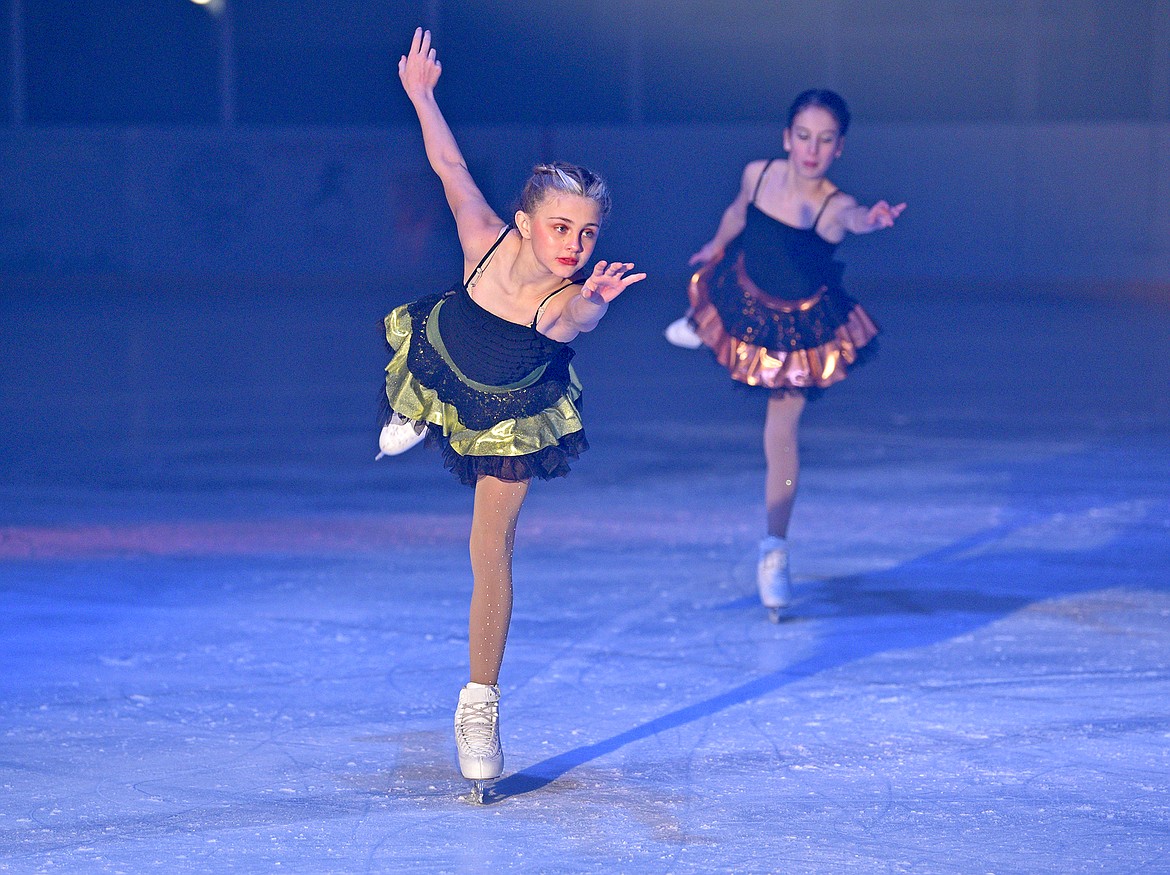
(531, 428)
(773, 342)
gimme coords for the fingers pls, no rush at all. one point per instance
(610, 270)
(420, 45)
(420, 67)
(610, 279)
(882, 215)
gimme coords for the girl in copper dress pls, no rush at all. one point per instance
(767, 300)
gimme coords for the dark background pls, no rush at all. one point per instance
(306, 62)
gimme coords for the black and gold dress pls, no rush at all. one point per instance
(772, 308)
(498, 397)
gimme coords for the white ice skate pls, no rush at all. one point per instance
(772, 576)
(477, 737)
(680, 332)
(399, 435)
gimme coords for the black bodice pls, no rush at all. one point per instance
(487, 348)
(784, 261)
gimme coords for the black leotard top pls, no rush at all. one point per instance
(785, 261)
(488, 348)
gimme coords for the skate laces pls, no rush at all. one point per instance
(477, 725)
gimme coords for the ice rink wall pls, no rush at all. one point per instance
(1081, 202)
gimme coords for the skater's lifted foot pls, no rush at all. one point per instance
(681, 332)
(399, 435)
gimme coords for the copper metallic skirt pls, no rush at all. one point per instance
(821, 333)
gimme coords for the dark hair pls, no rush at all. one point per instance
(557, 177)
(830, 101)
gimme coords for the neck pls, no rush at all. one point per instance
(803, 185)
(527, 276)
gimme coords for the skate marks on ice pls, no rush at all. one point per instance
(217, 538)
(417, 765)
(420, 767)
(947, 594)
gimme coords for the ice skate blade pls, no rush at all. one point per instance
(775, 615)
(480, 794)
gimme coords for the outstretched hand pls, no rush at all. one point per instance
(608, 281)
(707, 254)
(882, 215)
(419, 69)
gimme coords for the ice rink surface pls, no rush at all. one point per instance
(231, 642)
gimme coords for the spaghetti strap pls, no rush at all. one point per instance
(821, 211)
(469, 283)
(760, 181)
(547, 298)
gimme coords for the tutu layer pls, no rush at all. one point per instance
(766, 341)
(530, 429)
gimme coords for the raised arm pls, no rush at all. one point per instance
(734, 217)
(477, 223)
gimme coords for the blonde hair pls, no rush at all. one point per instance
(558, 177)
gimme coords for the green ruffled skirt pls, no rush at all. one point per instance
(531, 428)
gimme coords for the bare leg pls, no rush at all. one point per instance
(493, 533)
(783, 457)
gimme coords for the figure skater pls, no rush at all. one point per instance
(768, 301)
(484, 370)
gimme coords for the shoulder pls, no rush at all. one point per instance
(832, 223)
(839, 200)
(556, 301)
(478, 237)
(550, 310)
(754, 170)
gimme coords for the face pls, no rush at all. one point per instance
(813, 141)
(563, 231)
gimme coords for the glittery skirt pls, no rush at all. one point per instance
(531, 428)
(762, 340)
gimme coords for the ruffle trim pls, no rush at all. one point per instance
(539, 445)
(545, 464)
(760, 318)
(478, 407)
(513, 436)
(754, 364)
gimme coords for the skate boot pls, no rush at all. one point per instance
(680, 332)
(772, 576)
(399, 435)
(477, 737)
